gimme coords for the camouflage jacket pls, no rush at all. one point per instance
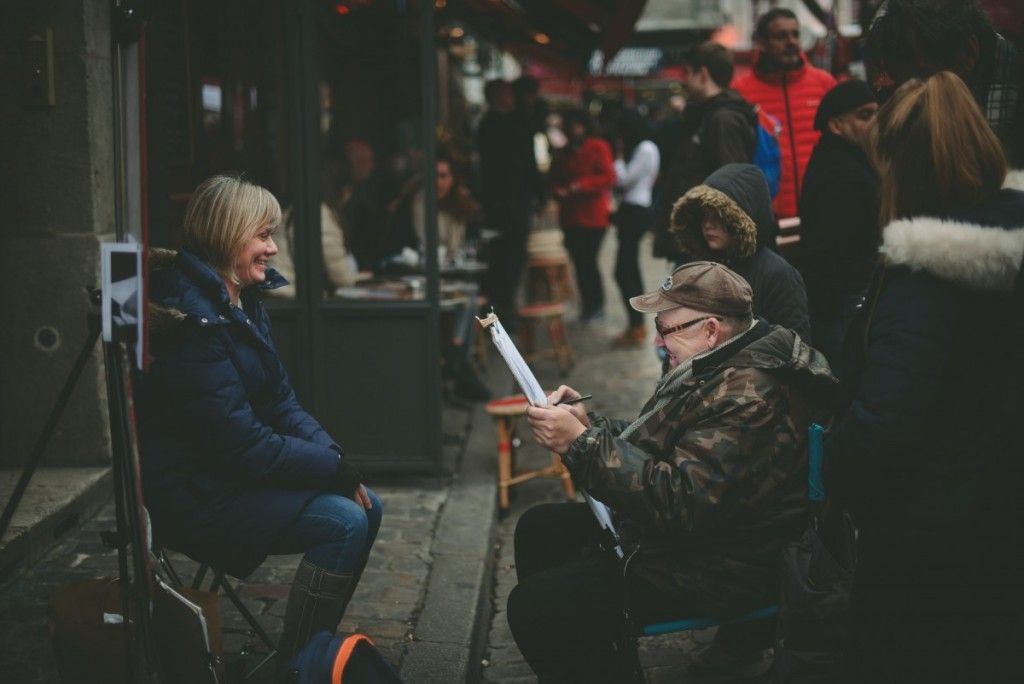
(715, 480)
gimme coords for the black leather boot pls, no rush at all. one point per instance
(317, 601)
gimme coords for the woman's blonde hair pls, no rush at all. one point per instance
(934, 150)
(225, 212)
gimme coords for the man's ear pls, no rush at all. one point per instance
(714, 332)
(833, 126)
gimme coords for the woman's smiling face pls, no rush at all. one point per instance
(251, 263)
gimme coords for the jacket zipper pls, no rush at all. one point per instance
(792, 140)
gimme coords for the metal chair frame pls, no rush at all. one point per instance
(218, 582)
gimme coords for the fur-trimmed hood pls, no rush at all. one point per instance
(738, 194)
(982, 249)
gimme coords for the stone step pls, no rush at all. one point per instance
(55, 501)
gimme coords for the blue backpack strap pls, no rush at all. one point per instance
(815, 461)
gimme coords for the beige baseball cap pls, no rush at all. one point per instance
(700, 285)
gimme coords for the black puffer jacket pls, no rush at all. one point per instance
(738, 195)
(838, 223)
(927, 455)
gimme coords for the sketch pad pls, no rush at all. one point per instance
(535, 395)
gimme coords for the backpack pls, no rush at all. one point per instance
(341, 659)
(767, 155)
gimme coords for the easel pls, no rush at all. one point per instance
(130, 537)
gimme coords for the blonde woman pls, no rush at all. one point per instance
(233, 468)
(927, 455)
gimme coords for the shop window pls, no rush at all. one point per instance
(217, 103)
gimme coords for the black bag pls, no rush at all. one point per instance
(341, 659)
(817, 574)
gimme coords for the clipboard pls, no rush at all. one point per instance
(527, 381)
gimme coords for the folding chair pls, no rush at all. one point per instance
(815, 494)
(218, 582)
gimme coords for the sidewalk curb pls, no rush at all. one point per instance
(450, 634)
(87, 490)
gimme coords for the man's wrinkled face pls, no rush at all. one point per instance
(701, 334)
(781, 43)
(854, 126)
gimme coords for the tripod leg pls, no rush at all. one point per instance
(51, 423)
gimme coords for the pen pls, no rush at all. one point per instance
(575, 401)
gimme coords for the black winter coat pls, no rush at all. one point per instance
(719, 131)
(738, 194)
(838, 223)
(229, 458)
(927, 455)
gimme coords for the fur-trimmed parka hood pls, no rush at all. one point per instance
(738, 194)
(981, 249)
(183, 287)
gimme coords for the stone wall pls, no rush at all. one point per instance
(57, 201)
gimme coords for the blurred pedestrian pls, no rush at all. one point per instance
(839, 215)
(510, 184)
(722, 132)
(923, 456)
(916, 38)
(728, 219)
(789, 89)
(636, 169)
(582, 177)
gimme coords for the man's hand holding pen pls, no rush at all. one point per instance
(557, 425)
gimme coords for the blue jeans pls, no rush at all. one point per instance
(334, 532)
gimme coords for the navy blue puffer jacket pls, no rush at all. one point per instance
(229, 458)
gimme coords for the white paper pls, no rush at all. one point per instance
(535, 395)
(515, 362)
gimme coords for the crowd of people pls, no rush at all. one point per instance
(900, 330)
(909, 241)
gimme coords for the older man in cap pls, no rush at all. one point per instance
(707, 484)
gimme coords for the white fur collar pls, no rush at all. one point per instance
(979, 257)
(1015, 180)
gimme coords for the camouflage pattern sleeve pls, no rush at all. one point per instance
(693, 466)
(614, 426)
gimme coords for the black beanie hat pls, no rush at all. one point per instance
(844, 98)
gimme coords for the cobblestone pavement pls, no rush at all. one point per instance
(385, 605)
(620, 380)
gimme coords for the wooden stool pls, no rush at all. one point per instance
(550, 314)
(548, 278)
(506, 412)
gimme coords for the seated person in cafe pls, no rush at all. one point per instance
(340, 268)
(233, 468)
(709, 483)
(456, 210)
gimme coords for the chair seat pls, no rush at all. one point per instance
(688, 624)
(542, 310)
(508, 406)
(548, 259)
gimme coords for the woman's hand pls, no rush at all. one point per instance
(554, 427)
(362, 498)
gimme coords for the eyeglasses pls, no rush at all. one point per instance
(665, 332)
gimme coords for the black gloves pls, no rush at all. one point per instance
(347, 479)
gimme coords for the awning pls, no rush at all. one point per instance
(561, 33)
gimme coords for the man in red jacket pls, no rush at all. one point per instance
(789, 89)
